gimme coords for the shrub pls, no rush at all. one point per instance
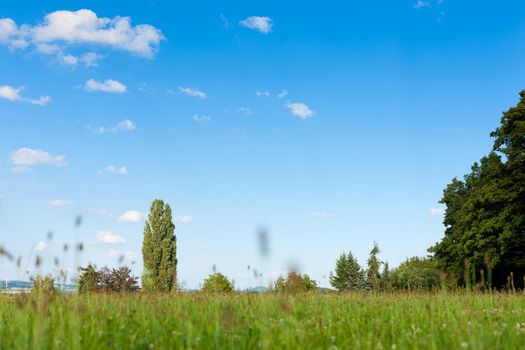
(416, 274)
(217, 283)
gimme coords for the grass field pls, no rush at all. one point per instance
(317, 321)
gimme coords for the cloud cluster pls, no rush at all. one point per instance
(201, 118)
(131, 216)
(61, 29)
(260, 24)
(192, 92)
(25, 157)
(14, 94)
(184, 219)
(108, 237)
(111, 169)
(124, 125)
(108, 85)
(300, 110)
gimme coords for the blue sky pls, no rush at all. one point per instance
(330, 125)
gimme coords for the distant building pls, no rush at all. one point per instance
(25, 286)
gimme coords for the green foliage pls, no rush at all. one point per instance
(295, 283)
(159, 249)
(373, 276)
(107, 280)
(485, 212)
(386, 278)
(348, 276)
(88, 280)
(217, 283)
(416, 274)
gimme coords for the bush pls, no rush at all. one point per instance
(217, 283)
(295, 283)
(416, 274)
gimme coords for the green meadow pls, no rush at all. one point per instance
(264, 321)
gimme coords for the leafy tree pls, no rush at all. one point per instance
(88, 280)
(416, 274)
(159, 249)
(349, 276)
(295, 283)
(485, 212)
(107, 280)
(217, 283)
(123, 281)
(373, 275)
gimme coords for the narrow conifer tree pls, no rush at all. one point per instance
(159, 249)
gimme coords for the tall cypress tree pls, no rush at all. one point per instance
(159, 249)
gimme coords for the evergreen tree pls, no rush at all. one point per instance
(159, 249)
(349, 276)
(373, 276)
(386, 278)
(357, 280)
(340, 280)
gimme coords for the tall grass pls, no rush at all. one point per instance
(240, 321)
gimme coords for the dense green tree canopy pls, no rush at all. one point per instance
(295, 283)
(416, 274)
(217, 283)
(485, 212)
(159, 249)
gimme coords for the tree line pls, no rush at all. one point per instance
(483, 245)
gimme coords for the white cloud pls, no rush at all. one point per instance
(282, 94)
(131, 216)
(13, 94)
(11, 35)
(260, 24)
(201, 118)
(244, 110)
(88, 59)
(108, 85)
(262, 93)
(40, 246)
(124, 125)
(192, 92)
(58, 203)
(68, 28)
(436, 211)
(25, 157)
(322, 215)
(125, 254)
(108, 237)
(184, 219)
(111, 169)
(420, 4)
(299, 109)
